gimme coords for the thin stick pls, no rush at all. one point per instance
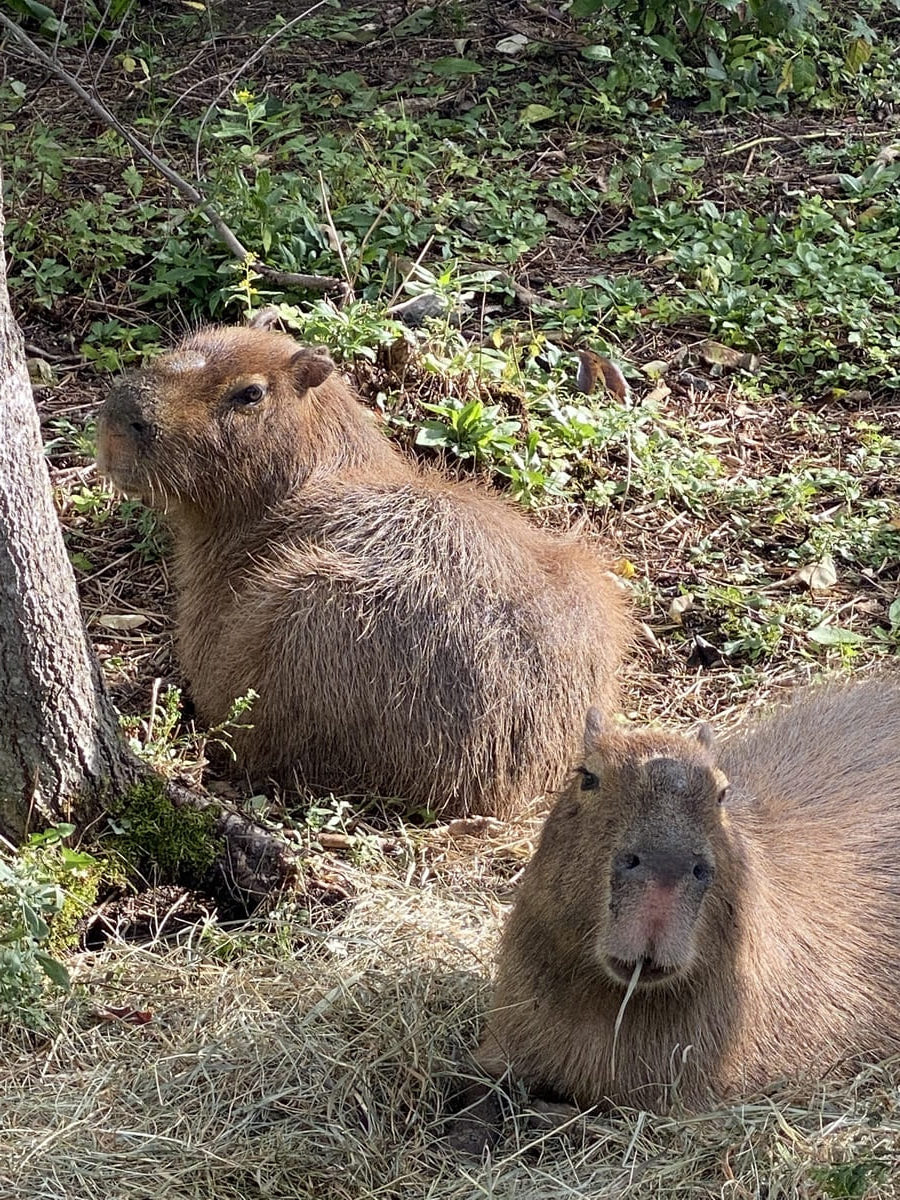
(379, 216)
(314, 283)
(334, 233)
(154, 700)
(409, 274)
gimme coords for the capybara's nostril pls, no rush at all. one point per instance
(704, 872)
(125, 413)
(625, 865)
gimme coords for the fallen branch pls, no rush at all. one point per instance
(313, 283)
(256, 865)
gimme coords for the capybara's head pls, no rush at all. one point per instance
(218, 422)
(639, 850)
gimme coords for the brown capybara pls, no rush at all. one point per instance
(406, 634)
(757, 885)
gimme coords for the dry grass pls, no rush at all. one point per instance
(315, 1063)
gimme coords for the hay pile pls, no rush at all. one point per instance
(301, 1062)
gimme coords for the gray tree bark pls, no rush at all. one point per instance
(60, 750)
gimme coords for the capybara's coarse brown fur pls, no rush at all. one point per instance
(757, 882)
(406, 634)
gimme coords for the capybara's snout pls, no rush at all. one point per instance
(126, 431)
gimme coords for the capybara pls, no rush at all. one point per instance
(755, 883)
(407, 634)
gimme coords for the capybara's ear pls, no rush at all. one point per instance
(593, 730)
(705, 735)
(310, 368)
(266, 318)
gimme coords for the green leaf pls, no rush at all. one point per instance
(348, 82)
(417, 22)
(53, 969)
(805, 75)
(894, 615)
(133, 179)
(433, 433)
(35, 923)
(532, 113)
(858, 53)
(665, 48)
(598, 53)
(586, 8)
(834, 635)
(454, 66)
(31, 8)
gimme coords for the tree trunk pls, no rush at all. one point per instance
(60, 750)
(61, 754)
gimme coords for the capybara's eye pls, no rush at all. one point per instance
(251, 394)
(589, 780)
(724, 793)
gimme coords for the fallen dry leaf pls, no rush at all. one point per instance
(464, 826)
(818, 576)
(715, 354)
(335, 841)
(122, 621)
(593, 367)
(659, 393)
(647, 635)
(125, 1012)
(679, 606)
(655, 368)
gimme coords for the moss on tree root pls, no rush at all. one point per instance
(179, 843)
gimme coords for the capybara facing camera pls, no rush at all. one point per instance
(753, 888)
(406, 634)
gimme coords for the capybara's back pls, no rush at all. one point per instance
(406, 634)
(746, 895)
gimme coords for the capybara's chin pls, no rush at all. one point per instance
(405, 634)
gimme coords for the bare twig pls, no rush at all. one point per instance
(409, 274)
(329, 220)
(313, 283)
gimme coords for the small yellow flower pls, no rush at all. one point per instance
(244, 97)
